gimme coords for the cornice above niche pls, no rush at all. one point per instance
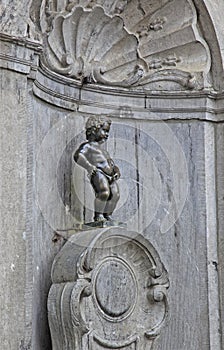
(139, 45)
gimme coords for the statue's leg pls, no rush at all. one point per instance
(112, 200)
(102, 191)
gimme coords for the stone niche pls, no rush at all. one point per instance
(149, 66)
(109, 292)
(156, 67)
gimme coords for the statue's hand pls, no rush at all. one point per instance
(116, 176)
(117, 173)
(92, 171)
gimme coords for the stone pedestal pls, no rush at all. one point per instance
(109, 292)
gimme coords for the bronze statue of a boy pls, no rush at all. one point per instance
(102, 171)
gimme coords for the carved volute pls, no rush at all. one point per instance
(109, 292)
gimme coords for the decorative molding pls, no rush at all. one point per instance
(98, 42)
(124, 103)
(109, 288)
(170, 61)
(19, 54)
(157, 24)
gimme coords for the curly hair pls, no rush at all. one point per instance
(94, 123)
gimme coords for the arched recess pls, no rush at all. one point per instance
(212, 27)
(161, 45)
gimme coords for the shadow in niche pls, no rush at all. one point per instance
(65, 179)
(42, 330)
(44, 339)
(46, 249)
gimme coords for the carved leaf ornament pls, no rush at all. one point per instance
(126, 43)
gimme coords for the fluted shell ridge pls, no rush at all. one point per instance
(90, 44)
(127, 43)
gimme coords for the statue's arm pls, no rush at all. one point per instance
(81, 159)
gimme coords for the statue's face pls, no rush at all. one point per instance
(102, 133)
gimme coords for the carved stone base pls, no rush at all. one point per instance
(103, 224)
(109, 292)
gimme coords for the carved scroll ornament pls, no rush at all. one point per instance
(109, 292)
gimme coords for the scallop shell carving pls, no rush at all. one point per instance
(127, 43)
(90, 44)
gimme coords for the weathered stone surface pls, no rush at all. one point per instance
(14, 15)
(218, 264)
(13, 153)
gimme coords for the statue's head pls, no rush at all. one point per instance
(97, 128)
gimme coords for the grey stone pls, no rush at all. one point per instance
(13, 154)
(109, 291)
(167, 135)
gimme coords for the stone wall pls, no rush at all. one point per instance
(13, 208)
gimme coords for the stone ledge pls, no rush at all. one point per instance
(203, 105)
(22, 55)
(19, 54)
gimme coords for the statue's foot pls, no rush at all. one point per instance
(108, 217)
(99, 218)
